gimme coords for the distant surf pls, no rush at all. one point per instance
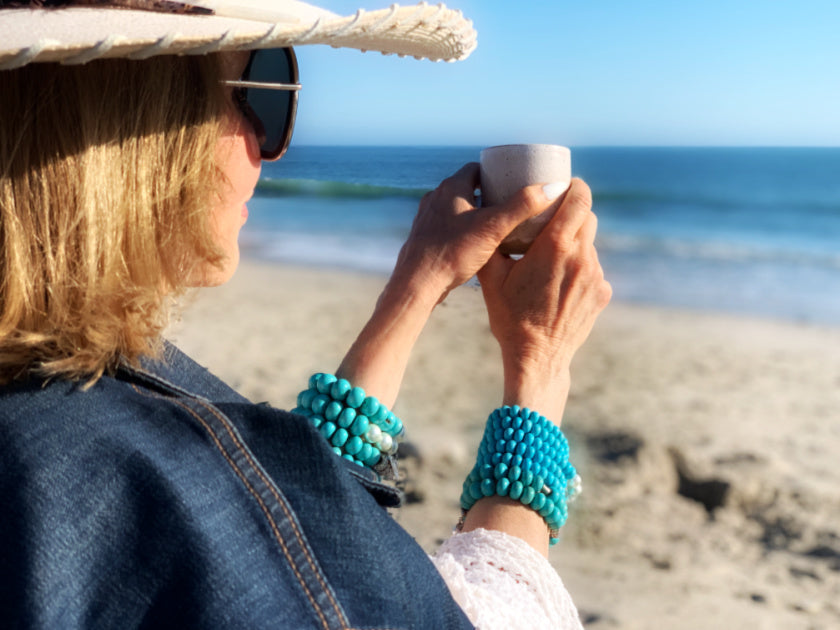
(755, 231)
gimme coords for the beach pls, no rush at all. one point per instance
(707, 442)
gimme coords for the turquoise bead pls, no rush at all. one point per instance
(360, 425)
(340, 388)
(510, 446)
(365, 452)
(355, 397)
(528, 478)
(516, 489)
(304, 399)
(325, 383)
(516, 460)
(521, 449)
(339, 438)
(488, 487)
(354, 445)
(316, 421)
(397, 429)
(486, 471)
(333, 410)
(369, 406)
(381, 415)
(346, 417)
(374, 458)
(500, 470)
(507, 457)
(538, 501)
(387, 423)
(500, 446)
(327, 429)
(514, 473)
(547, 509)
(349, 457)
(508, 433)
(502, 486)
(539, 482)
(514, 410)
(496, 458)
(475, 491)
(319, 403)
(336, 450)
(313, 380)
(527, 495)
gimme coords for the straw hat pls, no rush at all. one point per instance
(78, 31)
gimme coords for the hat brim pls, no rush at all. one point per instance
(76, 35)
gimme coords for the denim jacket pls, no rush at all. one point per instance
(161, 498)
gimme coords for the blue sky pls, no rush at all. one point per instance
(592, 72)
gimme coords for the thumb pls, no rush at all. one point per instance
(528, 202)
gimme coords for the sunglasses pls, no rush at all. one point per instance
(267, 95)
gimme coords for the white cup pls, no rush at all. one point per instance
(508, 168)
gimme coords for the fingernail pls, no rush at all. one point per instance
(554, 190)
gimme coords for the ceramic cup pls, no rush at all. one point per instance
(506, 169)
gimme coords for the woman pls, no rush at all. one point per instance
(138, 489)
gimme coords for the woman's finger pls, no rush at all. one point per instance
(587, 232)
(463, 182)
(570, 216)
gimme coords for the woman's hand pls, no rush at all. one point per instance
(451, 239)
(543, 306)
(449, 242)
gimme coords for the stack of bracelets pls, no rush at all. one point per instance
(358, 427)
(522, 455)
(525, 457)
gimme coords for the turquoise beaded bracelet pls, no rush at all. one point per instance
(525, 457)
(357, 427)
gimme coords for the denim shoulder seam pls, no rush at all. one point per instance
(280, 501)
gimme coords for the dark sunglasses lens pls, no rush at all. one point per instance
(274, 108)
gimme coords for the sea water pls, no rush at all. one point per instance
(746, 230)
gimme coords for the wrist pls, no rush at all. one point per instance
(417, 282)
(543, 388)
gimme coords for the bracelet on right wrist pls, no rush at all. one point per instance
(525, 457)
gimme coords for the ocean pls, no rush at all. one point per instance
(754, 231)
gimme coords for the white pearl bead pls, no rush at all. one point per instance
(373, 434)
(385, 442)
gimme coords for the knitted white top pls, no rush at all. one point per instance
(502, 582)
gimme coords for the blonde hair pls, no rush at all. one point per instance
(107, 175)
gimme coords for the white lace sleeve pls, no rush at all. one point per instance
(502, 582)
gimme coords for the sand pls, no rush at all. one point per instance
(708, 443)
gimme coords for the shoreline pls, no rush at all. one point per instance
(667, 405)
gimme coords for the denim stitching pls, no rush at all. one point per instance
(282, 504)
(278, 536)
